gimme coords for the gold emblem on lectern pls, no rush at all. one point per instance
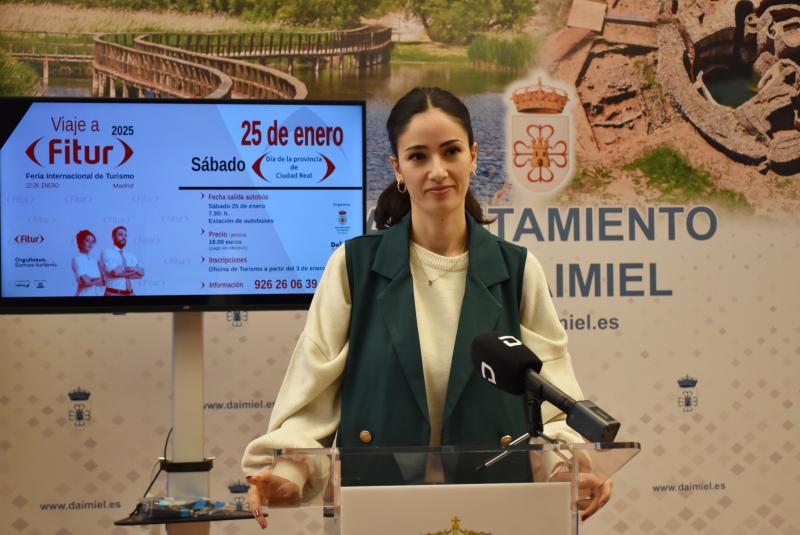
(455, 529)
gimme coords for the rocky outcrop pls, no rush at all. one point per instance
(765, 130)
(783, 152)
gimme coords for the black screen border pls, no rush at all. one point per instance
(172, 303)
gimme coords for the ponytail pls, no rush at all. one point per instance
(392, 206)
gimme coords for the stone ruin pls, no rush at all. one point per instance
(762, 37)
(619, 101)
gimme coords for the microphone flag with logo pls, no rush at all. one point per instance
(505, 362)
(501, 359)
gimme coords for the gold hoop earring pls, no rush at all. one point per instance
(404, 187)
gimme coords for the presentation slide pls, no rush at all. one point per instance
(160, 198)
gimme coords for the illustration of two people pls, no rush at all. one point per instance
(112, 273)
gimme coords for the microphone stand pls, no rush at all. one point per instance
(533, 411)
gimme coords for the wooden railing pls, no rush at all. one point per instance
(281, 44)
(250, 80)
(201, 65)
(160, 74)
(71, 46)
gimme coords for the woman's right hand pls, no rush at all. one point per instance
(268, 489)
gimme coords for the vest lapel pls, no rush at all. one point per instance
(396, 305)
(480, 310)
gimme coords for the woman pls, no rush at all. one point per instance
(87, 272)
(384, 357)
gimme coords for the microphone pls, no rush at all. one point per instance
(506, 363)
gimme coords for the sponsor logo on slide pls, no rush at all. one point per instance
(70, 151)
(28, 238)
(342, 227)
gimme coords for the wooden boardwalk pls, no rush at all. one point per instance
(368, 45)
(213, 65)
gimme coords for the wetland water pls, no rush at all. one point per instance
(735, 88)
(481, 89)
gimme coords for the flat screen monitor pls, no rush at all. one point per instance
(167, 205)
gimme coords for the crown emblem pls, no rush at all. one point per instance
(455, 529)
(79, 394)
(539, 98)
(238, 487)
(687, 382)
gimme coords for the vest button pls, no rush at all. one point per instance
(505, 440)
(365, 436)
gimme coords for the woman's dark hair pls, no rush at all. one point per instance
(82, 236)
(393, 205)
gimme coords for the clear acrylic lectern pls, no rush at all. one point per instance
(446, 490)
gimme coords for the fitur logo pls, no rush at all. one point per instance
(29, 238)
(541, 153)
(70, 151)
(80, 415)
(687, 397)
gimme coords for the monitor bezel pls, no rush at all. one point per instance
(175, 303)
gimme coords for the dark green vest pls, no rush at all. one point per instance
(383, 388)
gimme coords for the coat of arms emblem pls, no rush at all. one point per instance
(542, 149)
(687, 398)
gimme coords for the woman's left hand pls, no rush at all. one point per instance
(592, 494)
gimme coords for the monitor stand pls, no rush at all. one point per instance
(187, 414)
(188, 511)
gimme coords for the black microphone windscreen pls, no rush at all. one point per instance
(502, 359)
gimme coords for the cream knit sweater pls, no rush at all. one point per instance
(307, 410)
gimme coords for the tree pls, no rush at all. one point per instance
(16, 78)
(339, 14)
(455, 21)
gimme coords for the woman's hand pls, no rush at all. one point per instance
(268, 489)
(592, 494)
